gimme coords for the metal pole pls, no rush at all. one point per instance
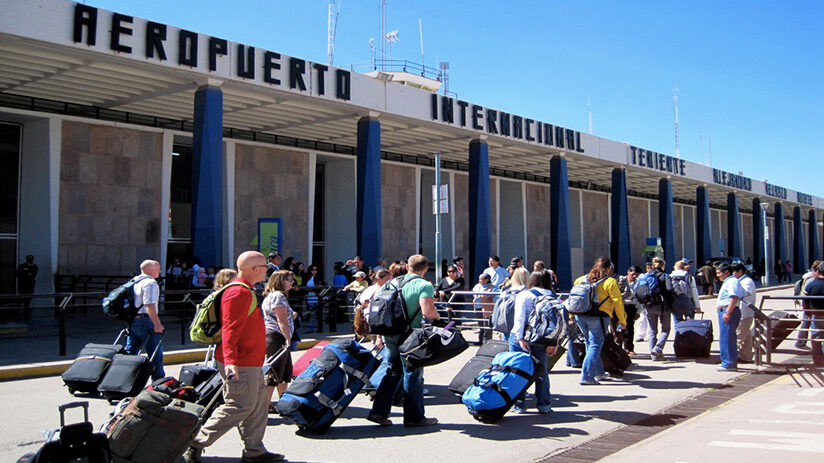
(61, 325)
(766, 246)
(437, 216)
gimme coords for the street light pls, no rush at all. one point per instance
(767, 267)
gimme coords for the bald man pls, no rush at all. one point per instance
(240, 356)
(146, 326)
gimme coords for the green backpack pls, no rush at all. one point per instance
(207, 324)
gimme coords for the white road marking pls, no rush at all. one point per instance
(811, 392)
(775, 434)
(761, 446)
(814, 423)
(800, 408)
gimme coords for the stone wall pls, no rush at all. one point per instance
(493, 213)
(638, 228)
(272, 182)
(110, 180)
(537, 221)
(595, 226)
(461, 195)
(397, 211)
(677, 213)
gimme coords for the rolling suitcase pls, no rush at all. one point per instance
(86, 372)
(481, 361)
(307, 358)
(73, 442)
(494, 390)
(154, 427)
(780, 329)
(317, 397)
(195, 375)
(577, 347)
(693, 338)
(614, 358)
(127, 374)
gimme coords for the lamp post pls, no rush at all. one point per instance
(437, 194)
(767, 266)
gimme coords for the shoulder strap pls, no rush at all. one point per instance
(535, 292)
(254, 303)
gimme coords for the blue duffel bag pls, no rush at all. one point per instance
(494, 391)
(318, 396)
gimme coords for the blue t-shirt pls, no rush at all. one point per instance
(731, 287)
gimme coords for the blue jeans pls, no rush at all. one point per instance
(657, 341)
(806, 322)
(727, 340)
(594, 334)
(139, 330)
(542, 382)
(412, 379)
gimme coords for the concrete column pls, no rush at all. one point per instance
(619, 247)
(733, 227)
(207, 177)
(814, 252)
(480, 220)
(560, 254)
(666, 220)
(799, 258)
(757, 232)
(703, 238)
(778, 233)
(369, 245)
(165, 196)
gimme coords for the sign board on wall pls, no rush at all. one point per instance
(444, 200)
(270, 235)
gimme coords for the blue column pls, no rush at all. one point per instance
(814, 251)
(800, 263)
(619, 247)
(778, 233)
(480, 229)
(733, 227)
(666, 220)
(560, 258)
(369, 190)
(703, 238)
(757, 233)
(207, 177)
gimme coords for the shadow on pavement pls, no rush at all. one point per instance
(658, 384)
(573, 400)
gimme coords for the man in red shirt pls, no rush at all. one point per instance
(240, 356)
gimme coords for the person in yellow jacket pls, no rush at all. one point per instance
(610, 303)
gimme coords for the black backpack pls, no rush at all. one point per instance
(120, 303)
(387, 311)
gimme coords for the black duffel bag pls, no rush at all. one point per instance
(432, 345)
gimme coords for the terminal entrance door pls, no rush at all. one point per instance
(10, 192)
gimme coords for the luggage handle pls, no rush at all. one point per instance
(270, 361)
(157, 347)
(62, 408)
(210, 354)
(123, 332)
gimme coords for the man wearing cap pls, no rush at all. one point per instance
(273, 265)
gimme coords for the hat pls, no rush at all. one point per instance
(360, 274)
(273, 254)
(686, 260)
(456, 259)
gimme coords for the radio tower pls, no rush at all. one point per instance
(383, 35)
(334, 12)
(677, 143)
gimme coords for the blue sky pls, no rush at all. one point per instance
(749, 73)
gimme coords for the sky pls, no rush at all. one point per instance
(748, 73)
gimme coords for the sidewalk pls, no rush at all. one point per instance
(782, 420)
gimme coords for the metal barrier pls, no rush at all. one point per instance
(476, 311)
(763, 325)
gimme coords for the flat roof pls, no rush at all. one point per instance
(68, 52)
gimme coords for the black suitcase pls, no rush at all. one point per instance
(127, 375)
(614, 358)
(480, 362)
(693, 338)
(73, 442)
(781, 329)
(577, 347)
(91, 364)
(206, 391)
(195, 375)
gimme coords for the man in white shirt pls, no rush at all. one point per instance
(744, 330)
(497, 274)
(146, 326)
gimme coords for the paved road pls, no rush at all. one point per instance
(581, 413)
(780, 421)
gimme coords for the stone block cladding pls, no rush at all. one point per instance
(397, 212)
(537, 223)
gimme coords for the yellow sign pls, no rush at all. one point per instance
(270, 235)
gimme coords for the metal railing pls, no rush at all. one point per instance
(398, 65)
(768, 330)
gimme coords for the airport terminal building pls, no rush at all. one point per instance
(123, 139)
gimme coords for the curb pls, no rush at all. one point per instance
(177, 357)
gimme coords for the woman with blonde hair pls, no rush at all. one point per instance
(609, 301)
(223, 277)
(279, 318)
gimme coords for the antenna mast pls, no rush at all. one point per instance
(677, 142)
(334, 12)
(420, 32)
(589, 113)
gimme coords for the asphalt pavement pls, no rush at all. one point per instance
(581, 414)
